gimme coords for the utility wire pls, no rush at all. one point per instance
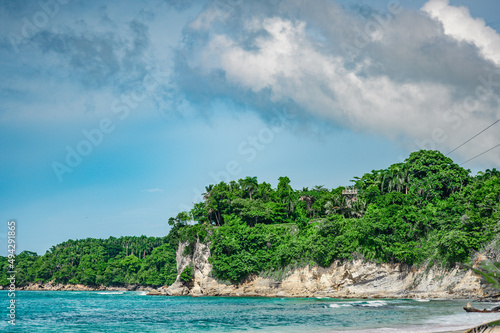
(471, 139)
(484, 152)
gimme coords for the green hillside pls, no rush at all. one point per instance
(424, 210)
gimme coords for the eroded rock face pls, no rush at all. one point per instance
(350, 279)
(183, 260)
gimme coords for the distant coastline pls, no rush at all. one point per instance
(79, 287)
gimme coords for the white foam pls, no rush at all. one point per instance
(368, 304)
(111, 293)
(375, 304)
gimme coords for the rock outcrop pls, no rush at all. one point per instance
(50, 286)
(348, 279)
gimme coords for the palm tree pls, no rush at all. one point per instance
(385, 182)
(208, 190)
(249, 184)
(319, 188)
(309, 200)
(396, 178)
(331, 207)
(211, 204)
(286, 194)
(265, 191)
(358, 208)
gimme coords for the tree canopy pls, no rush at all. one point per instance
(110, 262)
(424, 210)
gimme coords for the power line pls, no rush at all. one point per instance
(472, 138)
(484, 152)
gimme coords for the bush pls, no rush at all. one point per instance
(187, 274)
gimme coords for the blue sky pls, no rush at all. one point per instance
(115, 116)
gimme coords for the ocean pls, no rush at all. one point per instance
(74, 311)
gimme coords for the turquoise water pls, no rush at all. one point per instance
(67, 311)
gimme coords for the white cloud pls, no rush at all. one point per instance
(459, 24)
(413, 83)
(290, 66)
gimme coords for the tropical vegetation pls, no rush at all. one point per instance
(425, 210)
(110, 262)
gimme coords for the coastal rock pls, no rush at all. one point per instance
(210, 287)
(202, 267)
(342, 279)
(177, 289)
(51, 286)
(183, 258)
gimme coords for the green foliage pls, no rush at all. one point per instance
(109, 262)
(187, 274)
(491, 273)
(426, 209)
(239, 250)
(193, 233)
(160, 268)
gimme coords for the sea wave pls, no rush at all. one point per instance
(370, 304)
(111, 292)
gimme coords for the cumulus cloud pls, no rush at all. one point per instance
(400, 73)
(427, 79)
(458, 23)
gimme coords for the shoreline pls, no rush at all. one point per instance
(264, 289)
(163, 291)
(160, 291)
(78, 287)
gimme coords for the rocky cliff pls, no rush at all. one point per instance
(349, 279)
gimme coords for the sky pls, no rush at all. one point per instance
(114, 116)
